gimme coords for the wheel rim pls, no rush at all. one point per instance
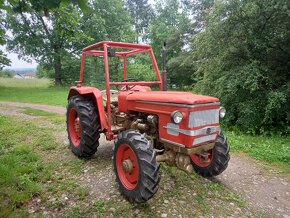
(127, 166)
(203, 160)
(74, 127)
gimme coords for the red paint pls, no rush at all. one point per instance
(82, 68)
(109, 134)
(97, 97)
(74, 127)
(128, 179)
(134, 83)
(172, 97)
(117, 45)
(125, 68)
(130, 101)
(156, 68)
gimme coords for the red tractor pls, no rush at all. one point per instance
(179, 128)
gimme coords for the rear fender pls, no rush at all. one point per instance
(95, 95)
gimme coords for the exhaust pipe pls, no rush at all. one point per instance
(164, 72)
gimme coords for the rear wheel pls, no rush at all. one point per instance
(136, 168)
(82, 126)
(214, 161)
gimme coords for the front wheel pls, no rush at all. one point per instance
(214, 161)
(135, 165)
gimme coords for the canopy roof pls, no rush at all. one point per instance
(132, 48)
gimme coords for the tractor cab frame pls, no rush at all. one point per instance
(105, 49)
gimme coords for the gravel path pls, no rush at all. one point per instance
(263, 190)
(48, 108)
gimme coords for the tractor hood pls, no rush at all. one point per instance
(171, 97)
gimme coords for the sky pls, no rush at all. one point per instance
(15, 62)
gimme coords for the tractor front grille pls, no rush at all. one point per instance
(203, 118)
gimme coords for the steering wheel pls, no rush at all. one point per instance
(128, 87)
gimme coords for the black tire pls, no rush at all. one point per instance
(219, 162)
(90, 126)
(148, 174)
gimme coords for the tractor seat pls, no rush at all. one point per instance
(113, 95)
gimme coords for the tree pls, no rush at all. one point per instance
(141, 13)
(20, 6)
(243, 58)
(62, 35)
(4, 61)
(47, 40)
(171, 25)
(7, 73)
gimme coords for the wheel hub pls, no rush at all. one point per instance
(127, 165)
(204, 157)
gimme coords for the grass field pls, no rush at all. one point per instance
(274, 149)
(21, 168)
(32, 90)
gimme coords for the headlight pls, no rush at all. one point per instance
(176, 117)
(222, 112)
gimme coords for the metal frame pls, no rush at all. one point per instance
(133, 49)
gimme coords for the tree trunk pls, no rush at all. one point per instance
(57, 68)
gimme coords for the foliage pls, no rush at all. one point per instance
(141, 13)
(21, 7)
(140, 68)
(54, 36)
(171, 25)
(43, 72)
(242, 57)
(61, 36)
(7, 73)
(4, 61)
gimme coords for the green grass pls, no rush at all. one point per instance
(28, 169)
(32, 90)
(24, 83)
(21, 169)
(37, 112)
(274, 149)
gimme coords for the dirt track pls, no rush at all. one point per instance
(262, 189)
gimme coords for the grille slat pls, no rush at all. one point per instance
(203, 118)
(204, 139)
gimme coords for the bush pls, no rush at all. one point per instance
(7, 73)
(244, 60)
